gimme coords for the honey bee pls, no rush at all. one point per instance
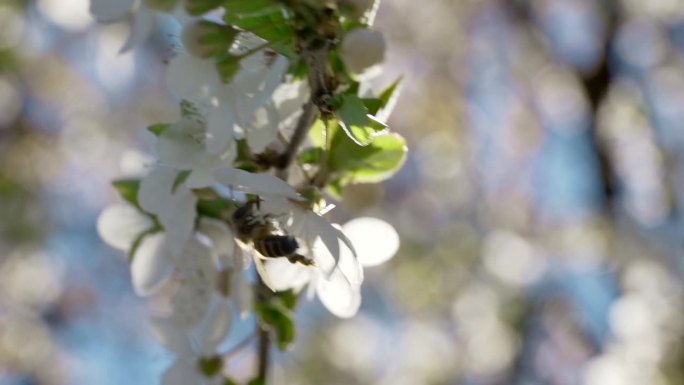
(265, 234)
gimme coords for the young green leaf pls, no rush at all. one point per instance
(265, 18)
(227, 65)
(373, 105)
(387, 94)
(368, 164)
(280, 318)
(214, 208)
(128, 190)
(158, 129)
(356, 122)
(310, 155)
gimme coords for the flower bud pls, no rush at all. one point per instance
(204, 38)
(161, 5)
(362, 49)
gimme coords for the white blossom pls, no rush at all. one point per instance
(337, 285)
(192, 344)
(184, 146)
(231, 109)
(173, 205)
(120, 226)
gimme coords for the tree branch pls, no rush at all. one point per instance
(305, 121)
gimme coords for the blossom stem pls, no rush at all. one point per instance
(264, 352)
(305, 121)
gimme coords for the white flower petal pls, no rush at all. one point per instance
(346, 263)
(183, 372)
(190, 304)
(195, 264)
(155, 189)
(221, 237)
(260, 266)
(290, 97)
(181, 147)
(242, 293)
(213, 329)
(376, 241)
(109, 10)
(171, 336)
(175, 210)
(339, 296)
(192, 78)
(119, 225)
(220, 121)
(263, 129)
(259, 184)
(327, 234)
(151, 265)
(200, 177)
(274, 78)
(179, 219)
(286, 275)
(255, 83)
(141, 28)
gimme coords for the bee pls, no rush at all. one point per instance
(265, 234)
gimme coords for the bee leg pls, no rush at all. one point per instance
(298, 258)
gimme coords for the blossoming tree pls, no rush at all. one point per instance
(275, 119)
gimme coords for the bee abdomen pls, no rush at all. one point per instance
(276, 245)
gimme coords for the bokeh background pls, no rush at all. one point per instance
(540, 209)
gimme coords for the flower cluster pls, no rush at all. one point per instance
(251, 85)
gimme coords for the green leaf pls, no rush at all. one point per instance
(317, 133)
(128, 190)
(389, 97)
(265, 18)
(275, 314)
(249, 8)
(373, 105)
(334, 188)
(288, 298)
(229, 381)
(200, 7)
(257, 381)
(227, 66)
(310, 155)
(210, 366)
(369, 164)
(387, 94)
(214, 208)
(159, 128)
(356, 122)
